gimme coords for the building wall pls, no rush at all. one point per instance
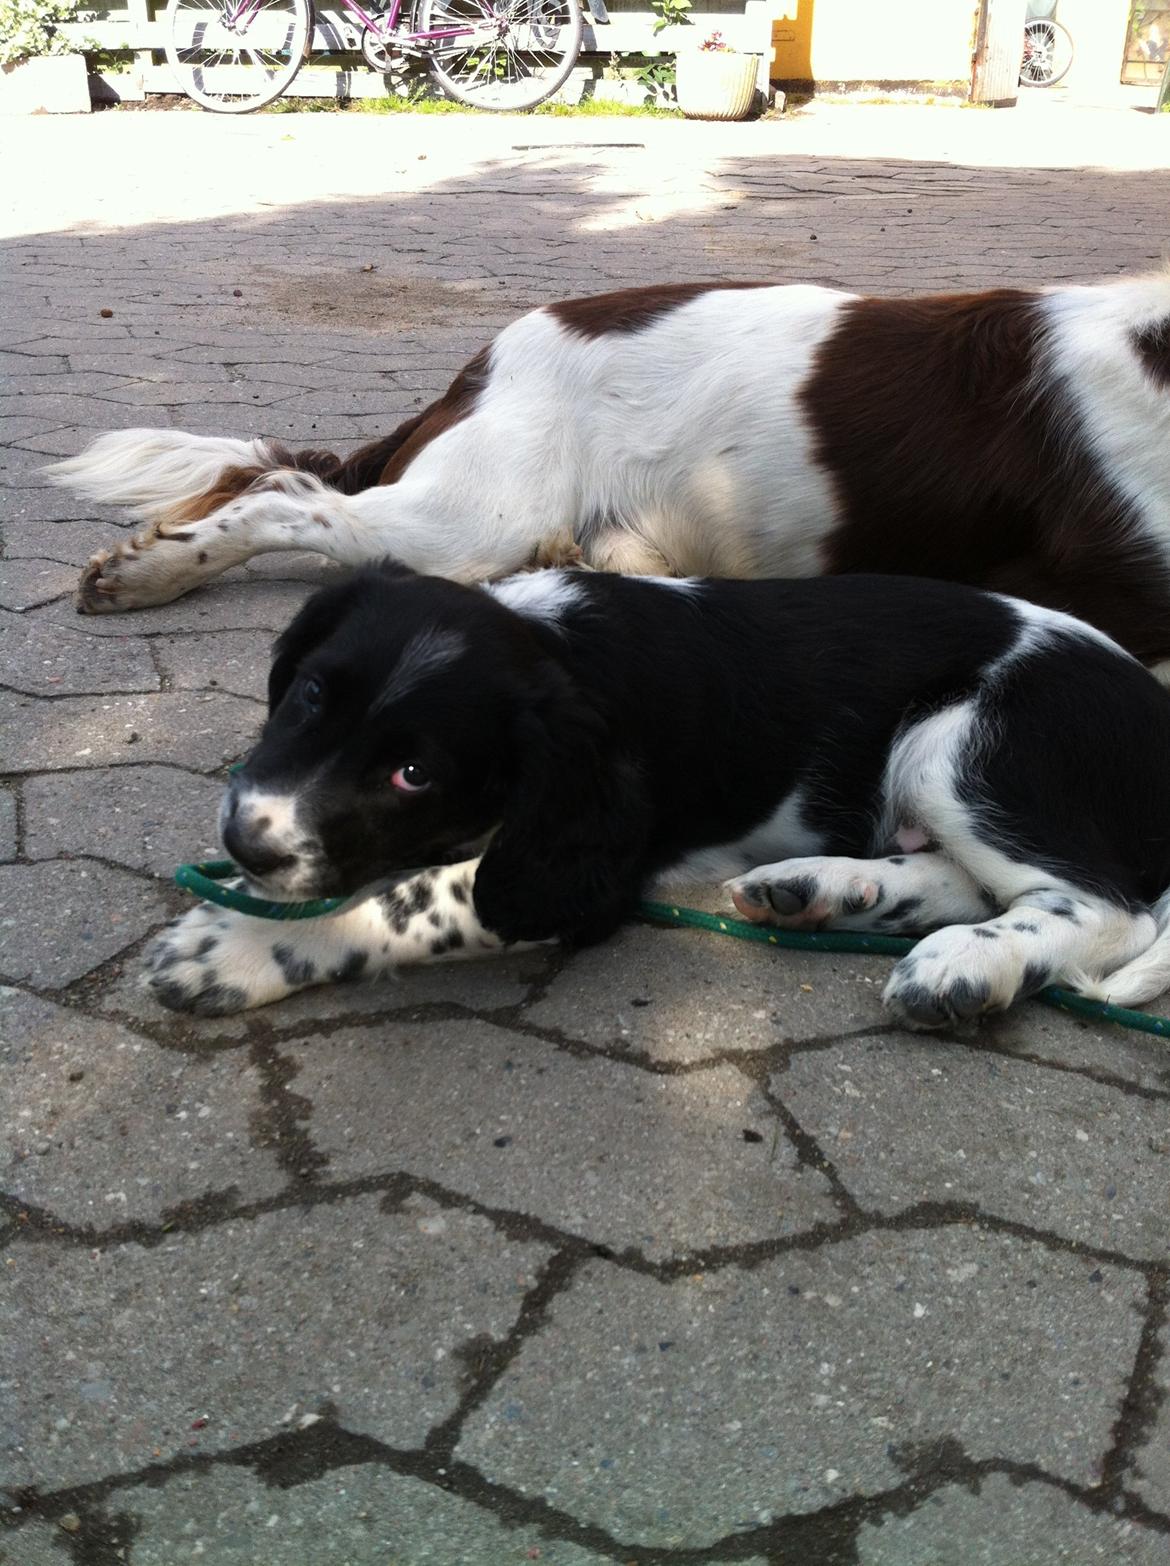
(874, 40)
(1098, 29)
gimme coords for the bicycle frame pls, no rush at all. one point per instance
(385, 29)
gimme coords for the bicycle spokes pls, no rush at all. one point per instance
(508, 55)
(236, 57)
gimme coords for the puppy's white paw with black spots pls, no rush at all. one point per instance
(962, 972)
(212, 962)
(804, 893)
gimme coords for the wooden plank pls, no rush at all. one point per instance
(633, 32)
(999, 48)
(118, 33)
(626, 32)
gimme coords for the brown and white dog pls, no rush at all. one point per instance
(1017, 440)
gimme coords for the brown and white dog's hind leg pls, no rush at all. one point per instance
(278, 510)
(173, 482)
(213, 961)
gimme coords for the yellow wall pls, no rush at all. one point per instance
(873, 40)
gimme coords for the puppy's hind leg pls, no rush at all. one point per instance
(1050, 934)
(900, 893)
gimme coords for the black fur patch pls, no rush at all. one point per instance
(967, 997)
(352, 966)
(450, 941)
(900, 912)
(396, 912)
(789, 897)
(984, 934)
(296, 970)
(1035, 978)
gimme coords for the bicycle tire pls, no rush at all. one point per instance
(1048, 53)
(233, 71)
(518, 68)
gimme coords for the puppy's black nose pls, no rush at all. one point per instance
(249, 854)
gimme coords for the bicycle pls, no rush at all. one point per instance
(233, 56)
(1048, 53)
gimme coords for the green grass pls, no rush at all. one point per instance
(396, 103)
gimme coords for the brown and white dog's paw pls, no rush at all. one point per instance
(150, 568)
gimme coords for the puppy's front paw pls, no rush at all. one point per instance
(212, 962)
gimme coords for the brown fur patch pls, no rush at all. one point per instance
(630, 309)
(231, 483)
(949, 460)
(456, 404)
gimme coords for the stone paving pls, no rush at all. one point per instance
(674, 1250)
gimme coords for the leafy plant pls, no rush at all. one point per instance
(29, 28)
(671, 13)
(659, 78)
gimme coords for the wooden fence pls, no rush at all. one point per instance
(139, 26)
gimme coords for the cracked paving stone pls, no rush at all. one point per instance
(480, 986)
(909, 1119)
(627, 1158)
(244, 603)
(44, 522)
(749, 1395)
(59, 919)
(1043, 1033)
(7, 824)
(683, 995)
(44, 660)
(1151, 1478)
(1002, 1522)
(200, 731)
(18, 466)
(70, 541)
(146, 818)
(354, 1516)
(26, 583)
(290, 565)
(101, 1127)
(20, 429)
(36, 1544)
(253, 1326)
(235, 661)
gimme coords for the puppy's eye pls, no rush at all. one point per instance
(312, 693)
(411, 778)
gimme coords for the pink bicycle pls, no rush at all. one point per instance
(237, 55)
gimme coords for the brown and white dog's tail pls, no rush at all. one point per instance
(167, 477)
(164, 475)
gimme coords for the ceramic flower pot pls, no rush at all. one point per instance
(715, 84)
(49, 84)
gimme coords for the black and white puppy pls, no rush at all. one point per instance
(861, 752)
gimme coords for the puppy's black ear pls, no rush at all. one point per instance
(569, 859)
(314, 621)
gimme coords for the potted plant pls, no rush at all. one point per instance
(715, 81)
(41, 70)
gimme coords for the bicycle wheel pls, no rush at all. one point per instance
(1048, 53)
(237, 55)
(509, 54)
